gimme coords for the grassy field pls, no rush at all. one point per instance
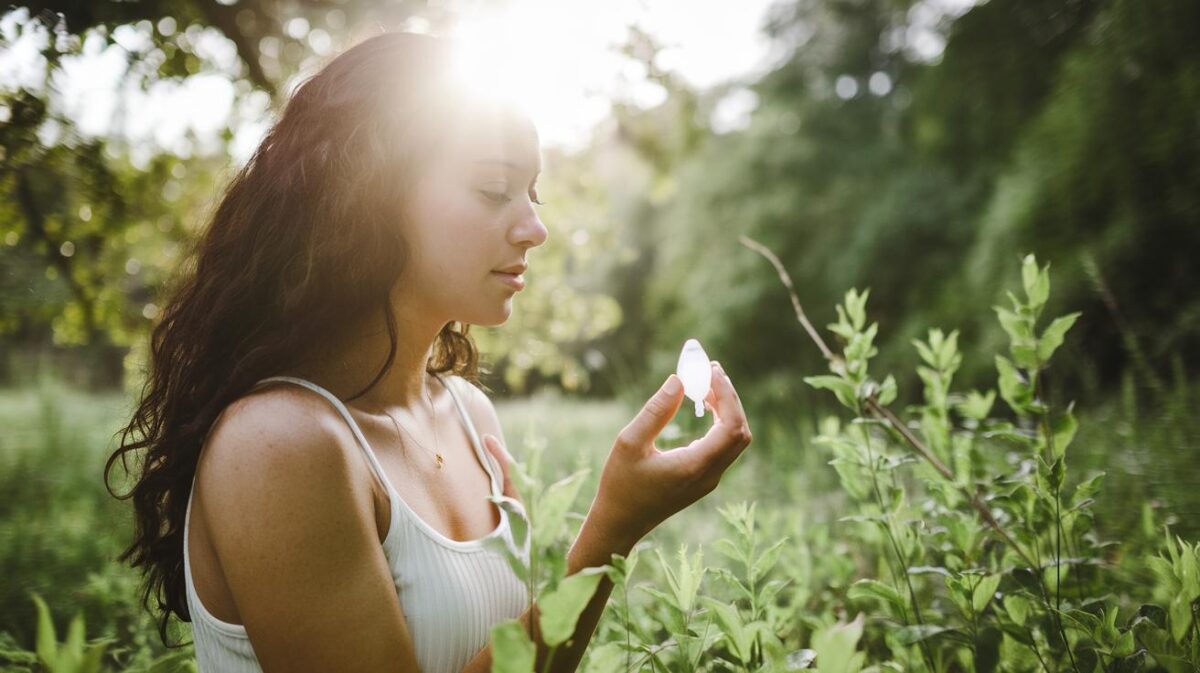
(60, 531)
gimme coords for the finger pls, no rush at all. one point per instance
(719, 447)
(729, 435)
(654, 415)
(721, 369)
(502, 456)
(727, 404)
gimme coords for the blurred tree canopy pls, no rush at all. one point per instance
(93, 225)
(1065, 128)
(905, 146)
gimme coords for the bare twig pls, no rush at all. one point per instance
(881, 411)
(787, 282)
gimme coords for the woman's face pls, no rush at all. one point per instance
(473, 212)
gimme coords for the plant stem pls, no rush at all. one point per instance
(703, 639)
(900, 557)
(1049, 434)
(878, 409)
(628, 636)
(1037, 651)
(549, 659)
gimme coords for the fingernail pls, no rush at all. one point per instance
(673, 386)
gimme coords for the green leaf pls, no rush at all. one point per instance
(841, 387)
(1036, 282)
(1124, 645)
(869, 588)
(1017, 607)
(887, 391)
(1017, 328)
(767, 560)
(606, 658)
(977, 405)
(1029, 272)
(512, 650)
(1083, 621)
(47, 639)
(836, 645)
(518, 520)
(1180, 613)
(552, 507)
(91, 662)
(72, 649)
(560, 608)
(1087, 488)
(801, 659)
(984, 591)
(915, 633)
(856, 307)
(1053, 335)
(1015, 391)
(731, 624)
(1062, 429)
(925, 352)
(684, 577)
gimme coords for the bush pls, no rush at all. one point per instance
(973, 546)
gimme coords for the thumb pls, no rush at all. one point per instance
(655, 414)
(502, 456)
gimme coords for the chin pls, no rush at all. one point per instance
(495, 317)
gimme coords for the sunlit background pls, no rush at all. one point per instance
(919, 148)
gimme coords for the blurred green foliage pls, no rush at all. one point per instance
(921, 174)
(871, 159)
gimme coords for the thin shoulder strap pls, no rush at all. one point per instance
(484, 457)
(341, 407)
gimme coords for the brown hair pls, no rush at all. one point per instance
(304, 241)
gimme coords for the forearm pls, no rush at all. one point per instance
(592, 547)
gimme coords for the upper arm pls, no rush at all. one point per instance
(290, 518)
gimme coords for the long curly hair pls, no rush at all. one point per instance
(304, 241)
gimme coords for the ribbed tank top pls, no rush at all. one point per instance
(451, 591)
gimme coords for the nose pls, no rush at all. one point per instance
(528, 231)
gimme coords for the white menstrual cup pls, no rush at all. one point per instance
(695, 371)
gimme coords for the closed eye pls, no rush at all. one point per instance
(497, 197)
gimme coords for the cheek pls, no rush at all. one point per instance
(450, 229)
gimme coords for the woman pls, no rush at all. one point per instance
(314, 491)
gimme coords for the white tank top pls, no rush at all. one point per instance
(451, 592)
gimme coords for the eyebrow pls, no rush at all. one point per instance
(505, 163)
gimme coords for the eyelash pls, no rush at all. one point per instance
(501, 197)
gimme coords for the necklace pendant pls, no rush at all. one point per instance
(439, 460)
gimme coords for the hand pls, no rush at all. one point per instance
(642, 486)
(502, 456)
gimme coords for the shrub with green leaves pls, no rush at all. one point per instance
(970, 547)
(988, 559)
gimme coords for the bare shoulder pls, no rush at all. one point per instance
(282, 435)
(290, 518)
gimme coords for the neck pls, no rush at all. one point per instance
(346, 366)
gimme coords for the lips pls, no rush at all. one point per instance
(513, 280)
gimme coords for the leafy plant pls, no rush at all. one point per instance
(990, 560)
(73, 655)
(540, 561)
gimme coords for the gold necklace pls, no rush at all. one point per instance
(439, 460)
